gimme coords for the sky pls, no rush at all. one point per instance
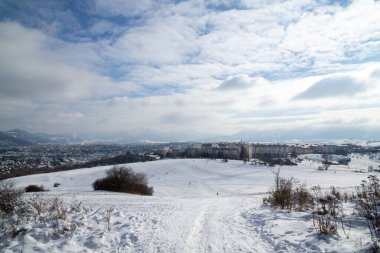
(190, 69)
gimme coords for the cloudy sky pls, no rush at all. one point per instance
(189, 68)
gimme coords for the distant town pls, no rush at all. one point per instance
(49, 157)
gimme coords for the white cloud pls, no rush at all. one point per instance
(241, 82)
(193, 66)
(333, 87)
(159, 42)
(31, 70)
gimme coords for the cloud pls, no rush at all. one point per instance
(333, 87)
(158, 42)
(29, 69)
(254, 38)
(286, 37)
(188, 66)
(122, 7)
(376, 74)
(240, 82)
(179, 118)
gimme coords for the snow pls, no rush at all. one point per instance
(198, 206)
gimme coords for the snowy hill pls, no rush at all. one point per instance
(198, 206)
(204, 178)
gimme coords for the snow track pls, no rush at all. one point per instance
(220, 227)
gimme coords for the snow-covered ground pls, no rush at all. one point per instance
(198, 206)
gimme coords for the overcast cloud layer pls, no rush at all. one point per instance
(189, 68)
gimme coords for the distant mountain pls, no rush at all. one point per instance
(130, 136)
(18, 137)
(310, 135)
(145, 135)
(7, 139)
(24, 135)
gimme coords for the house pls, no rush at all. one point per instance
(270, 150)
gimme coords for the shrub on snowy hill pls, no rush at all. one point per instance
(368, 194)
(123, 179)
(10, 196)
(34, 188)
(288, 194)
(326, 208)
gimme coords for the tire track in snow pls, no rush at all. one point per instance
(194, 238)
(220, 227)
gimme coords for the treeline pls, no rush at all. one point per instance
(126, 158)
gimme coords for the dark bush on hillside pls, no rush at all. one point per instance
(10, 196)
(34, 188)
(123, 179)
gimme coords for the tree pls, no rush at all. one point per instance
(326, 160)
(243, 153)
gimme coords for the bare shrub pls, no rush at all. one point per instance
(122, 179)
(10, 196)
(108, 218)
(368, 202)
(34, 188)
(327, 209)
(37, 205)
(336, 193)
(58, 217)
(328, 213)
(58, 209)
(76, 206)
(287, 193)
(345, 197)
(280, 195)
(302, 198)
(325, 216)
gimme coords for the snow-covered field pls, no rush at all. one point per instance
(198, 206)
